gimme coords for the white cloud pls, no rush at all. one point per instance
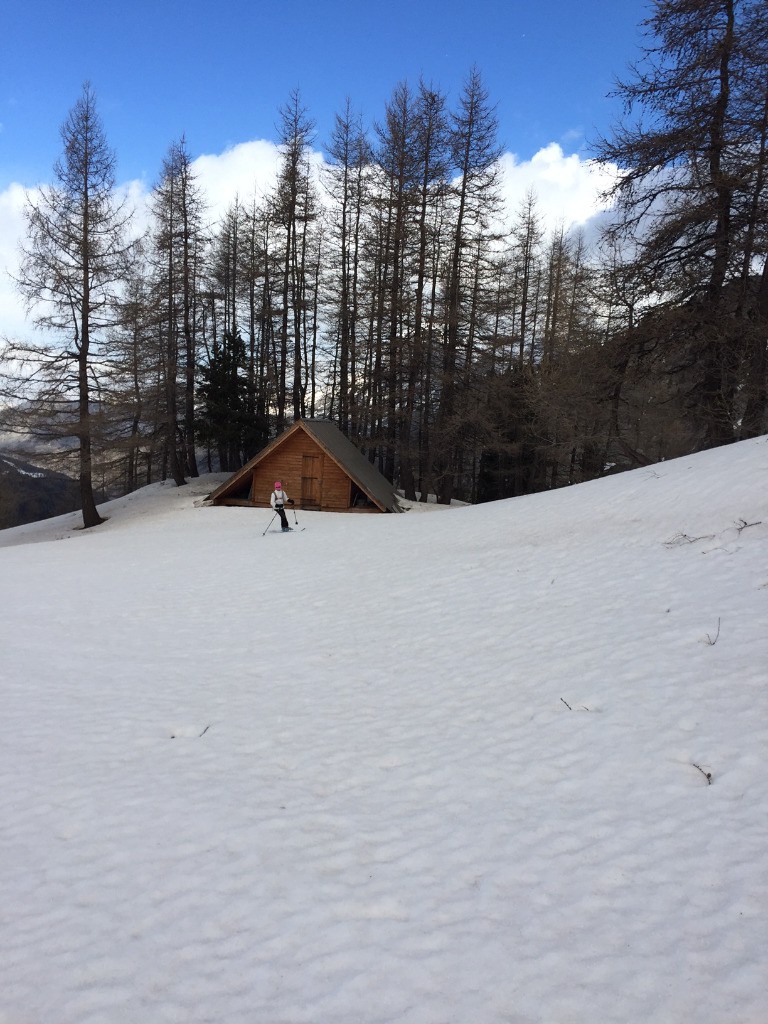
(12, 204)
(567, 190)
(246, 170)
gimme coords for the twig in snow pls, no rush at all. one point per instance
(709, 640)
(742, 524)
(205, 730)
(707, 775)
(683, 538)
(583, 706)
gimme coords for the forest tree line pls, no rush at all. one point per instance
(471, 352)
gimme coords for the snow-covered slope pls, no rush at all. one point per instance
(493, 764)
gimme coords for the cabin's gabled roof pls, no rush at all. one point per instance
(349, 458)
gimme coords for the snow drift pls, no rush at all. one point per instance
(493, 764)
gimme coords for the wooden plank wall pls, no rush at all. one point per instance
(285, 464)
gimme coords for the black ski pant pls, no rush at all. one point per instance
(281, 512)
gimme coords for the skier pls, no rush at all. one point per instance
(278, 499)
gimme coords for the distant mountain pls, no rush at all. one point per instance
(29, 493)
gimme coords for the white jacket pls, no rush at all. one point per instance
(278, 499)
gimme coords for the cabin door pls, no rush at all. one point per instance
(310, 481)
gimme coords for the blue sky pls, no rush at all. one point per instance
(218, 75)
(219, 72)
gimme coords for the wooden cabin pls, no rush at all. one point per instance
(319, 468)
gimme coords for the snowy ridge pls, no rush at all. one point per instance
(427, 769)
(18, 467)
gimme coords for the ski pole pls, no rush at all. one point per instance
(274, 517)
(294, 515)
